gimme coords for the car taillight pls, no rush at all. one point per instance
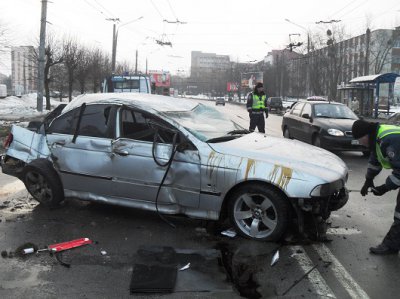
(8, 141)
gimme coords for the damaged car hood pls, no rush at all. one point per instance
(296, 155)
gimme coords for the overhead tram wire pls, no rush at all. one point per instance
(343, 8)
(173, 12)
(97, 9)
(362, 3)
(105, 9)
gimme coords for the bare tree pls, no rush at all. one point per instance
(381, 46)
(71, 62)
(82, 71)
(99, 68)
(53, 55)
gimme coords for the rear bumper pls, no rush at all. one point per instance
(11, 166)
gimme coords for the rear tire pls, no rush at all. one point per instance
(259, 212)
(316, 141)
(43, 183)
(286, 133)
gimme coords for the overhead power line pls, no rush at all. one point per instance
(102, 6)
(346, 13)
(343, 7)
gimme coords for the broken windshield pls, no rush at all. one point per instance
(205, 122)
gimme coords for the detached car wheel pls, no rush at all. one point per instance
(259, 212)
(43, 183)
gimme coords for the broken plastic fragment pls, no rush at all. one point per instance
(28, 250)
(229, 233)
(275, 258)
(185, 267)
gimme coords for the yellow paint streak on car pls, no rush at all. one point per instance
(281, 176)
(250, 164)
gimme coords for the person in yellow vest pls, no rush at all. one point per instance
(257, 106)
(384, 144)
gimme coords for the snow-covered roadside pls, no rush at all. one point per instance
(22, 109)
(15, 110)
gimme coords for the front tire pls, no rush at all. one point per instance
(259, 212)
(43, 183)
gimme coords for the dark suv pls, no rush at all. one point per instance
(275, 103)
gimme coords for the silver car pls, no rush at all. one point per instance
(175, 156)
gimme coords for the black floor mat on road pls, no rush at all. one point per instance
(153, 279)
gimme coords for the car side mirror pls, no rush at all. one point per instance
(306, 115)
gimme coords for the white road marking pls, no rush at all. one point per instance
(318, 282)
(343, 231)
(341, 274)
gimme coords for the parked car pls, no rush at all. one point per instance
(323, 124)
(220, 101)
(275, 104)
(174, 157)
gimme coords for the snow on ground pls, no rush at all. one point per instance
(14, 108)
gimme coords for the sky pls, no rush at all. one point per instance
(244, 30)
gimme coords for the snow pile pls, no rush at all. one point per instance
(15, 108)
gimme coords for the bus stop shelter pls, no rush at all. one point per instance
(376, 81)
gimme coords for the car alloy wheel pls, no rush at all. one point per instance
(42, 182)
(259, 212)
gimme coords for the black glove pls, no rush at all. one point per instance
(266, 114)
(380, 190)
(368, 183)
(249, 113)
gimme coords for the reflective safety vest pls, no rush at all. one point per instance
(384, 130)
(258, 102)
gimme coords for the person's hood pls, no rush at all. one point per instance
(296, 155)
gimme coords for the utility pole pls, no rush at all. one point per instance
(146, 66)
(114, 43)
(136, 62)
(41, 59)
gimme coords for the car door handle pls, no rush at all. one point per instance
(59, 143)
(121, 152)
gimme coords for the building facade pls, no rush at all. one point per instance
(23, 70)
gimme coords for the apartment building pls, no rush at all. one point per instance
(23, 70)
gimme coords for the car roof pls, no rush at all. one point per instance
(320, 102)
(144, 101)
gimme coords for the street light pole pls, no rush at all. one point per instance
(115, 38)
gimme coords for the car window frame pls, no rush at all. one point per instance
(294, 107)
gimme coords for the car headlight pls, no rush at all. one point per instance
(335, 132)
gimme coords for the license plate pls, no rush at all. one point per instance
(355, 142)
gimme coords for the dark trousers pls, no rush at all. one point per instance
(257, 120)
(392, 238)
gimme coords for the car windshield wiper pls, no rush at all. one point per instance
(222, 138)
(323, 116)
(244, 131)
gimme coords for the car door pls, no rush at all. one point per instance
(294, 119)
(140, 161)
(80, 145)
(305, 125)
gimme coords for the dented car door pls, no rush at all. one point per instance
(140, 161)
(82, 155)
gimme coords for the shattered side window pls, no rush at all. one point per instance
(96, 121)
(65, 124)
(142, 126)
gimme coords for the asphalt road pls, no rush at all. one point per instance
(342, 268)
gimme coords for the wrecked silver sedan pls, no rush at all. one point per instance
(175, 156)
